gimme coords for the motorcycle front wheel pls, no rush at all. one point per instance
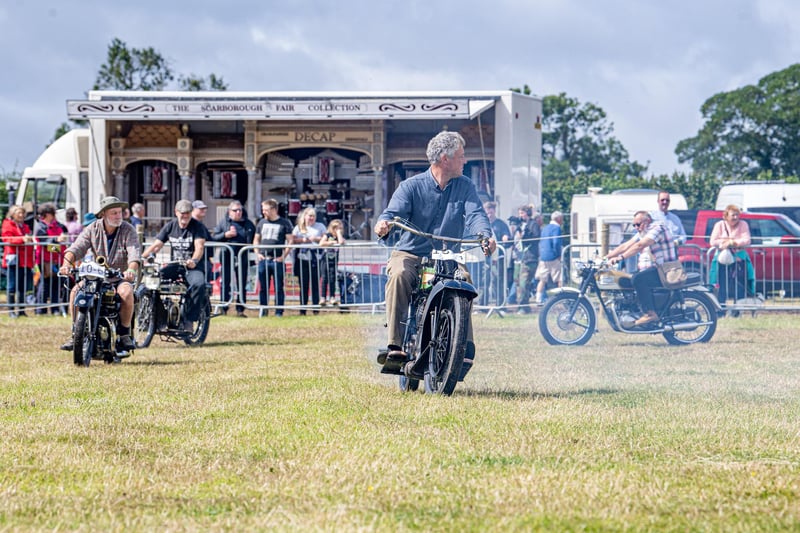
(145, 321)
(697, 308)
(567, 319)
(82, 344)
(448, 345)
(200, 326)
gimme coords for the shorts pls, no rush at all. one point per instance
(551, 269)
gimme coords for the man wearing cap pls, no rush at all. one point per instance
(187, 240)
(113, 238)
(199, 211)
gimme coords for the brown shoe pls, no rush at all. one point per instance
(645, 319)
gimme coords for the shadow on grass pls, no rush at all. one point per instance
(528, 395)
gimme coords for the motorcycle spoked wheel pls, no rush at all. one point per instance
(558, 328)
(697, 307)
(449, 344)
(199, 327)
(145, 321)
(83, 346)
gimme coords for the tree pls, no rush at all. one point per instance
(132, 69)
(750, 130)
(195, 83)
(579, 150)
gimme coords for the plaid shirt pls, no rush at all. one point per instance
(663, 248)
(125, 249)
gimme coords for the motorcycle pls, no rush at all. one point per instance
(96, 308)
(687, 313)
(435, 335)
(160, 299)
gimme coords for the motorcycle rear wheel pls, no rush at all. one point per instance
(83, 346)
(200, 326)
(697, 308)
(558, 328)
(449, 344)
(145, 321)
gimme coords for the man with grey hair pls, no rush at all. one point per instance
(187, 241)
(137, 214)
(237, 231)
(549, 269)
(441, 201)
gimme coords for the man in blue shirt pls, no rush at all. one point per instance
(441, 201)
(549, 268)
(668, 218)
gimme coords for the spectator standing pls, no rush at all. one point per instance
(731, 233)
(491, 268)
(18, 259)
(236, 231)
(137, 215)
(330, 260)
(275, 231)
(526, 256)
(672, 221)
(51, 236)
(306, 265)
(74, 226)
(549, 268)
(199, 211)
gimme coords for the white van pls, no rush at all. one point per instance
(762, 197)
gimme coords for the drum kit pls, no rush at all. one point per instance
(328, 209)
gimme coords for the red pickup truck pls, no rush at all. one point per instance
(774, 251)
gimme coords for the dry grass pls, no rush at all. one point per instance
(286, 424)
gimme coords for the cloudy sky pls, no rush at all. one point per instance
(649, 63)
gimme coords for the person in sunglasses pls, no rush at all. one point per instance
(655, 245)
(236, 231)
(670, 219)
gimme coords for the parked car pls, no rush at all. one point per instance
(774, 251)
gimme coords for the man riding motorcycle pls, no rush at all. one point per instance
(116, 240)
(655, 246)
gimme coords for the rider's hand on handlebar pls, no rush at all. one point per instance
(488, 246)
(382, 228)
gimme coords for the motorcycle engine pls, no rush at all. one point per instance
(626, 307)
(173, 313)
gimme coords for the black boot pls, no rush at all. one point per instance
(12, 309)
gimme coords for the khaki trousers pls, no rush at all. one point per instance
(403, 272)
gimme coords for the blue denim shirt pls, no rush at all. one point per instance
(445, 212)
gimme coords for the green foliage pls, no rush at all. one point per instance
(195, 83)
(750, 130)
(133, 69)
(7, 177)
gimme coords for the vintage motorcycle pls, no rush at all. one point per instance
(438, 319)
(687, 313)
(96, 308)
(160, 299)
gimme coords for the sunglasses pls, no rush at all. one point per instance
(638, 224)
(664, 200)
(236, 210)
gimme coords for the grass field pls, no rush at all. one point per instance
(286, 424)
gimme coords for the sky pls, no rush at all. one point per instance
(650, 64)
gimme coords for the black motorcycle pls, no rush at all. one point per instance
(96, 308)
(438, 319)
(687, 313)
(160, 299)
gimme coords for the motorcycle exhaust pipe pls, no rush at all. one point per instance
(684, 326)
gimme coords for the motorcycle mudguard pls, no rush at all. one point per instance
(462, 287)
(708, 292)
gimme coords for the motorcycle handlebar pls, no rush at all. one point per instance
(403, 225)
